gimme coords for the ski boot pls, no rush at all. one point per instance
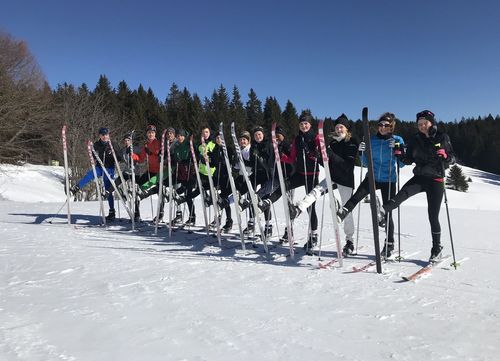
(191, 220)
(160, 218)
(311, 243)
(214, 223)
(228, 226)
(342, 213)
(111, 215)
(436, 253)
(284, 238)
(293, 210)
(179, 199)
(348, 248)
(75, 189)
(387, 250)
(208, 200)
(264, 204)
(244, 203)
(137, 216)
(250, 227)
(268, 230)
(178, 217)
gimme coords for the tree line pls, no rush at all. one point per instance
(32, 114)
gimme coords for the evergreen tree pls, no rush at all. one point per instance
(253, 109)
(173, 107)
(272, 113)
(106, 95)
(290, 120)
(236, 112)
(456, 179)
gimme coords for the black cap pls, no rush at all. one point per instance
(181, 132)
(151, 128)
(127, 136)
(279, 130)
(342, 119)
(258, 128)
(103, 131)
(306, 118)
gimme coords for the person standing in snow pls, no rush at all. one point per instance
(103, 150)
(385, 171)
(432, 153)
(342, 152)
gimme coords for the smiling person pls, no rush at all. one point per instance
(385, 171)
(432, 153)
(342, 152)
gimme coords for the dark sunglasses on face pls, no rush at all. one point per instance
(384, 125)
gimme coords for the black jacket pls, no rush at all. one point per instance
(262, 158)
(103, 150)
(422, 151)
(342, 155)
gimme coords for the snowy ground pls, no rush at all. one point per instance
(89, 293)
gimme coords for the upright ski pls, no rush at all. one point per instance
(213, 192)
(371, 182)
(66, 171)
(283, 190)
(90, 147)
(120, 174)
(236, 195)
(170, 190)
(200, 185)
(251, 191)
(160, 182)
(132, 171)
(333, 204)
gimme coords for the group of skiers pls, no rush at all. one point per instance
(300, 159)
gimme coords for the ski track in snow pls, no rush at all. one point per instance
(96, 293)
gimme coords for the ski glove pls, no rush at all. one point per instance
(392, 143)
(148, 151)
(442, 153)
(362, 147)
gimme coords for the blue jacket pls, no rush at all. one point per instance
(384, 161)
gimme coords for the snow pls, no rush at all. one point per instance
(88, 293)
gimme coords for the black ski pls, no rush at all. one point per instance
(371, 182)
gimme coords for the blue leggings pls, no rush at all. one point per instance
(107, 183)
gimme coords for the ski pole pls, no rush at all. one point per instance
(399, 221)
(321, 232)
(359, 206)
(454, 264)
(57, 213)
(388, 215)
(149, 181)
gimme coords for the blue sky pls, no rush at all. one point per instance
(329, 56)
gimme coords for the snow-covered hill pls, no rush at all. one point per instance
(90, 293)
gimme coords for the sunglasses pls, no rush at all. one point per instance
(424, 114)
(384, 125)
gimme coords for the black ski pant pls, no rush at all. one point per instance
(434, 191)
(364, 189)
(309, 182)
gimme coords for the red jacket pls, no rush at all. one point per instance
(154, 158)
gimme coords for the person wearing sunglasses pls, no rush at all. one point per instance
(385, 171)
(432, 153)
